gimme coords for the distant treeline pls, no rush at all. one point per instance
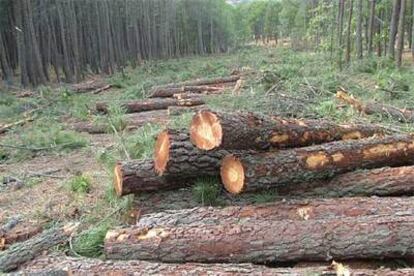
(61, 40)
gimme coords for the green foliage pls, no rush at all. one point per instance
(140, 143)
(181, 121)
(116, 119)
(80, 184)
(265, 197)
(90, 242)
(206, 191)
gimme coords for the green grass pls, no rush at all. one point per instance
(80, 184)
(264, 197)
(90, 242)
(206, 191)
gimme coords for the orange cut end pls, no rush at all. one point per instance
(118, 180)
(232, 174)
(162, 152)
(206, 131)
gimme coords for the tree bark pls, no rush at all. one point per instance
(348, 33)
(179, 110)
(18, 234)
(412, 33)
(303, 209)
(393, 27)
(260, 240)
(151, 104)
(243, 131)
(170, 91)
(28, 250)
(359, 31)
(176, 157)
(83, 266)
(400, 40)
(251, 172)
(377, 182)
(371, 25)
(403, 115)
(340, 27)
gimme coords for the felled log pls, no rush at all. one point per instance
(179, 110)
(151, 104)
(211, 130)
(379, 182)
(200, 82)
(259, 241)
(7, 127)
(250, 172)
(83, 266)
(176, 157)
(163, 92)
(403, 115)
(181, 96)
(303, 209)
(132, 121)
(95, 85)
(137, 176)
(17, 234)
(25, 251)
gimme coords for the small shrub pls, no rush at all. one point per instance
(90, 242)
(206, 191)
(80, 184)
(140, 144)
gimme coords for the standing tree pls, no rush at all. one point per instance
(348, 33)
(400, 41)
(393, 27)
(359, 30)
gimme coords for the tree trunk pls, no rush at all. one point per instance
(393, 27)
(28, 250)
(170, 91)
(400, 40)
(303, 209)
(359, 30)
(17, 234)
(348, 33)
(260, 240)
(151, 104)
(340, 26)
(175, 156)
(179, 110)
(403, 115)
(250, 172)
(412, 32)
(371, 26)
(242, 131)
(84, 266)
(377, 182)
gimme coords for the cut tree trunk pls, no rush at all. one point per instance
(176, 157)
(251, 172)
(216, 82)
(132, 121)
(163, 92)
(151, 104)
(138, 176)
(90, 86)
(403, 115)
(23, 252)
(241, 131)
(303, 209)
(17, 234)
(260, 240)
(84, 266)
(179, 110)
(182, 96)
(378, 182)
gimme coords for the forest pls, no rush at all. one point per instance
(207, 137)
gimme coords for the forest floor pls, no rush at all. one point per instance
(62, 175)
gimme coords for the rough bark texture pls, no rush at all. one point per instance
(253, 131)
(186, 161)
(83, 266)
(132, 121)
(137, 176)
(403, 115)
(179, 110)
(155, 90)
(303, 209)
(89, 86)
(379, 182)
(151, 104)
(275, 169)
(366, 237)
(28, 250)
(17, 234)
(170, 91)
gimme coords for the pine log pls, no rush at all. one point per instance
(303, 209)
(200, 82)
(90, 85)
(163, 92)
(7, 127)
(83, 266)
(17, 234)
(242, 131)
(25, 251)
(137, 176)
(151, 104)
(176, 157)
(403, 115)
(179, 110)
(377, 182)
(132, 121)
(259, 241)
(251, 172)
(182, 96)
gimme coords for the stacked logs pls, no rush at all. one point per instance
(297, 158)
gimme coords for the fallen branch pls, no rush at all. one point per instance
(6, 127)
(170, 91)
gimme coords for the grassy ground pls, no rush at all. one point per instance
(67, 176)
